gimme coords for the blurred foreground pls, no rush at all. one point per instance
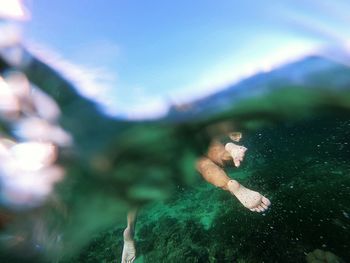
(109, 165)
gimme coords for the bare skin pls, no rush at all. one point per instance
(210, 168)
(129, 250)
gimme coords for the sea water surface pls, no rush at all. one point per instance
(298, 140)
(295, 124)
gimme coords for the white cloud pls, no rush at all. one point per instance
(135, 103)
(101, 85)
(234, 69)
(91, 82)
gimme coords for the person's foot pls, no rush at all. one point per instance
(129, 250)
(237, 152)
(249, 198)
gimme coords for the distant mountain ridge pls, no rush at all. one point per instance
(310, 72)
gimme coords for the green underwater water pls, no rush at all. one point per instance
(302, 166)
(297, 133)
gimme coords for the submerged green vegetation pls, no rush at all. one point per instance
(296, 127)
(302, 167)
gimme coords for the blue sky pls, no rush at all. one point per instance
(149, 53)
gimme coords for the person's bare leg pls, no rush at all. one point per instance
(212, 173)
(129, 250)
(218, 154)
(215, 175)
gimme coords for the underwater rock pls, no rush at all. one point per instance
(321, 256)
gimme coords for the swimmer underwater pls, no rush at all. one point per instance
(45, 118)
(210, 167)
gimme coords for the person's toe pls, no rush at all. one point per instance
(264, 206)
(242, 148)
(260, 208)
(265, 201)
